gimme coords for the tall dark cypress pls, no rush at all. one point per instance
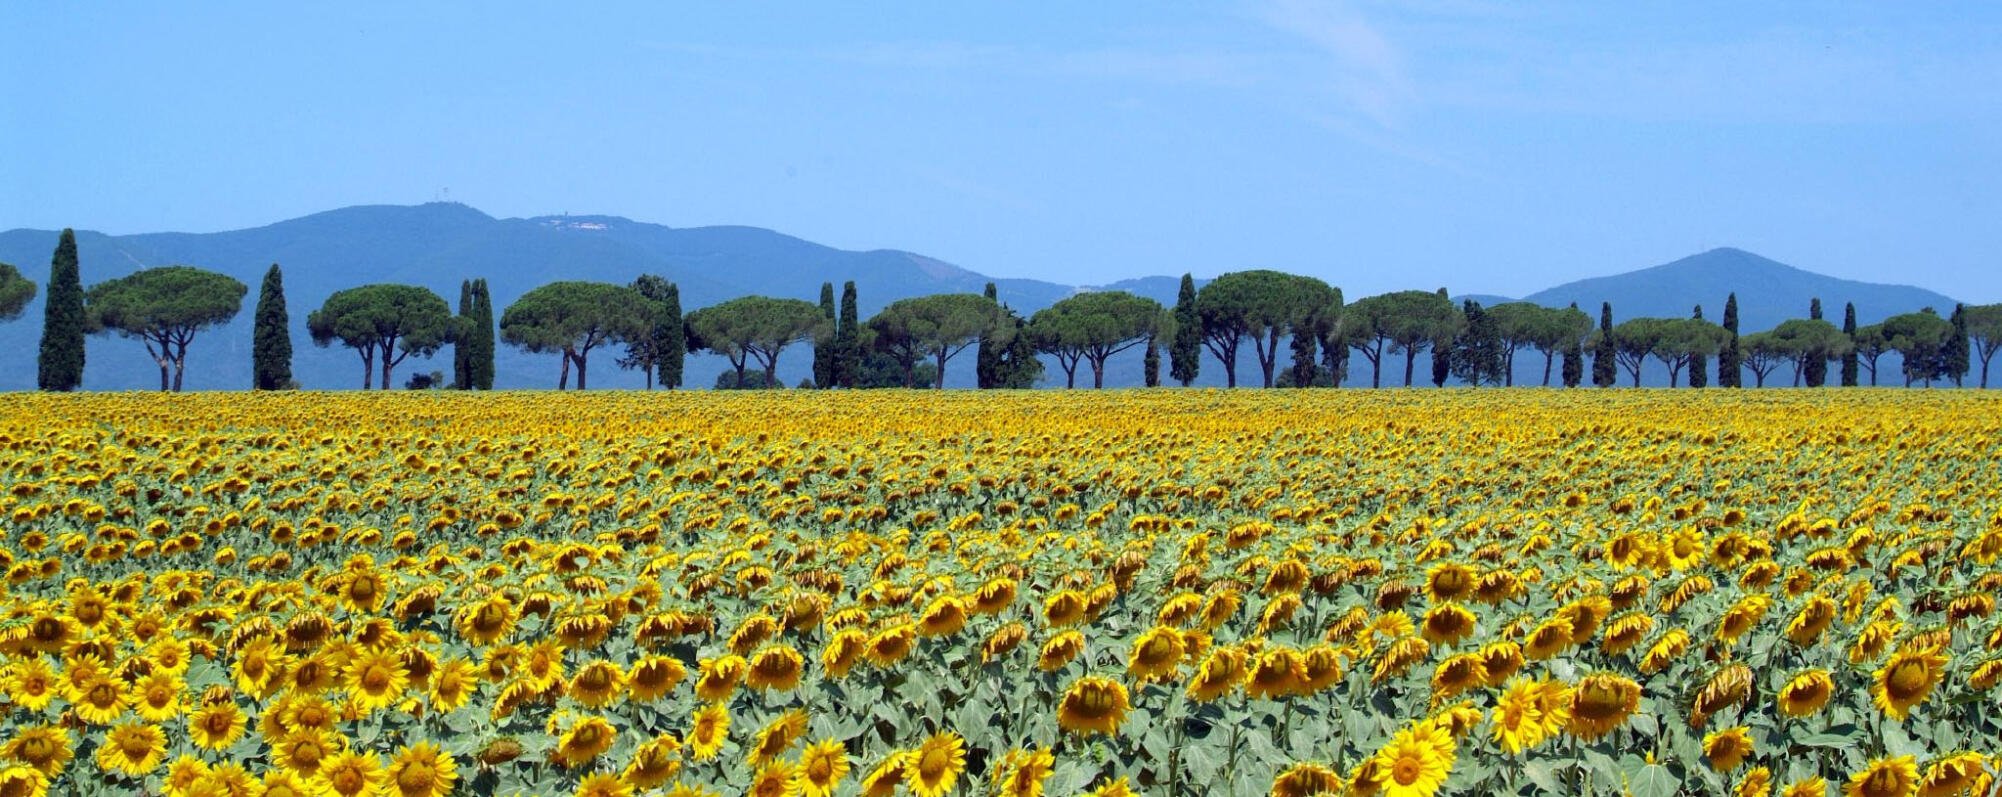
(1699, 365)
(823, 349)
(1730, 363)
(674, 339)
(1185, 350)
(60, 364)
(848, 341)
(1954, 356)
(271, 337)
(1150, 366)
(1442, 354)
(1305, 346)
(480, 371)
(1574, 359)
(463, 346)
(1817, 367)
(1605, 370)
(987, 360)
(1850, 364)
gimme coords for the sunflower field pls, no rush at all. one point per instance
(889, 593)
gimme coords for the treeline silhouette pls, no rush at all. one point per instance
(1299, 330)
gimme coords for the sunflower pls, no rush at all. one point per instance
(1064, 608)
(1156, 655)
(348, 773)
(776, 668)
(777, 735)
(1416, 761)
(1092, 704)
(1321, 667)
(1954, 775)
(709, 729)
(216, 726)
(542, 665)
(774, 779)
(1517, 717)
(1756, 783)
(1601, 703)
(582, 741)
(602, 784)
(888, 774)
(1885, 777)
(285, 783)
(376, 680)
(597, 684)
(821, 768)
(1278, 672)
(1306, 779)
(31, 683)
(259, 666)
(1811, 787)
(100, 701)
(1449, 581)
(422, 770)
(1549, 639)
(46, 748)
(994, 596)
(720, 677)
(486, 622)
(1060, 650)
(944, 616)
(654, 763)
(934, 767)
(1813, 618)
(452, 685)
(1742, 617)
(1222, 672)
(1727, 749)
(1906, 679)
(651, 678)
(891, 645)
(132, 748)
(1805, 693)
(1502, 660)
(305, 750)
(19, 781)
(1003, 641)
(1457, 674)
(1447, 624)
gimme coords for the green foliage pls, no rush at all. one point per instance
(1185, 349)
(59, 366)
(1404, 321)
(1605, 365)
(1849, 359)
(1763, 352)
(1699, 362)
(164, 308)
(754, 328)
(848, 341)
(462, 355)
(987, 357)
(1814, 368)
(571, 318)
(665, 337)
(1263, 306)
(1953, 356)
(1478, 353)
(936, 327)
(1811, 341)
(1673, 341)
(1574, 350)
(1729, 362)
(1984, 334)
(386, 322)
(823, 347)
(1868, 344)
(1092, 327)
(15, 292)
(271, 338)
(749, 380)
(673, 338)
(1549, 331)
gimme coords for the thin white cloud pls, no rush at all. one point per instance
(1361, 65)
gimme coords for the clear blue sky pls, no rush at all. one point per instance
(1490, 147)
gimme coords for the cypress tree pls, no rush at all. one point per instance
(1574, 359)
(1185, 350)
(1699, 365)
(1305, 346)
(1019, 367)
(480, 368)
(987, 359)
(1816, 369)
(823, 349)
(1850, 364)
(848, 341)
(1151, 364)
(674, 339)
(1954, 356)
(271, 337)
(60, 364)
(462, 347)
(1605, 370)
(1729, 362)
(1442, 354)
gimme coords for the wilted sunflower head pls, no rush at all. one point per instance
(1092, 705)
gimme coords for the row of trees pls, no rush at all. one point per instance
(910, 342)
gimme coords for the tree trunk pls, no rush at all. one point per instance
(1410, 358)
(163, 372)
(368, 369)
(180, 367)
(1548, 357)
(1674, 375)
(1268, 356)
(1508, 369)
(1097, 374)
(563, 381)
(1070, 373)
(580, 369)
(941, 369)
(1984, 374)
